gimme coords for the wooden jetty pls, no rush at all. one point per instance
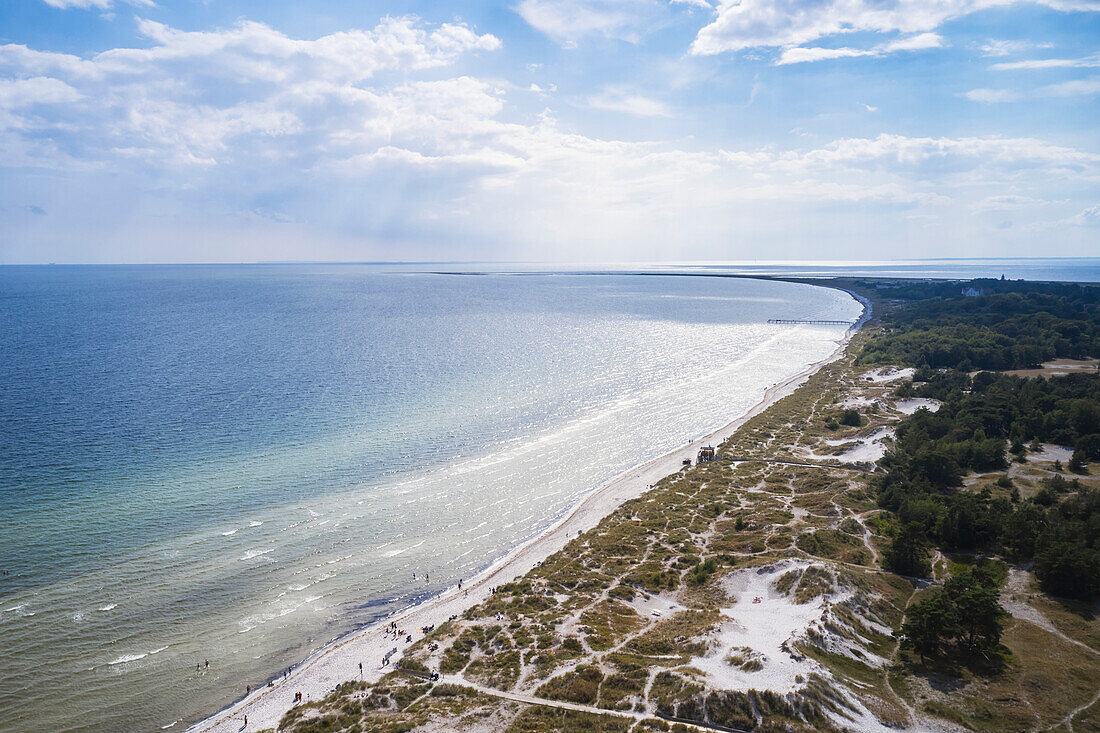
(815, 323)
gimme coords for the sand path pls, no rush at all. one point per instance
(338, 662)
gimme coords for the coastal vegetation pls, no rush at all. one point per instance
(912, 533)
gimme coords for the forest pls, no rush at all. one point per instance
(987, 420)
(1013, 326)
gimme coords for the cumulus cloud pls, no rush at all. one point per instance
(169, 99)
(1089, 217)
(367, 133)
(744, 24)
(19, 93)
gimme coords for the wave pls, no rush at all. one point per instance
(128, 658)
(230, 532)
(108, 607)
(395, 553)
(255, 553)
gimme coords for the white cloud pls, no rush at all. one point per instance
(1005, 202)
(1089, 217)
(994, 47)
(991, 96)
(1073, 88)
(919, 42)
(801, 55)
(313, 132)
(166, 100)
(18, 93)
(617, 99)
(567, 21)
(742, 24)
(1029, 64)
(695, 3)
(98, 4)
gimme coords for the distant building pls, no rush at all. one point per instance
(972, 292)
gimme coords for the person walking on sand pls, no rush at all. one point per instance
(208, 664)
(360, 668)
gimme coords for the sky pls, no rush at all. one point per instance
(548, 130)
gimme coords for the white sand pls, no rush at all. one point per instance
(661, 605)
(1051, 453)
(908, 407)
(339, 661)
(765, 632)
(863, 450)
(765, 628)
(885, 375)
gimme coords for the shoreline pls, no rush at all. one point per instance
(341, 660)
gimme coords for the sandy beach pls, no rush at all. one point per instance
(364, 649)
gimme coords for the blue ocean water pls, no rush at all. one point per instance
(239, 463)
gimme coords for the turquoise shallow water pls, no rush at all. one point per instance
(240, 463)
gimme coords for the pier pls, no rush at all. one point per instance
(815, 323)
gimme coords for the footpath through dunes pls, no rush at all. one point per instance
(736, 596)
(367, 655)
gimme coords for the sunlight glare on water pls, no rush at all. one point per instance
(240, 463)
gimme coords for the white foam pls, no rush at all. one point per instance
(108, 607)
(230, 532)
(395, 553)
(128, 658)
(255, 553)
(255, 524)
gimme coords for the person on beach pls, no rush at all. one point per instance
(247, 690)
(208, 664)
(360, 668)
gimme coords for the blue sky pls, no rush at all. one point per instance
(550, 130)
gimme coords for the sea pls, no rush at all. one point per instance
(209, 472)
